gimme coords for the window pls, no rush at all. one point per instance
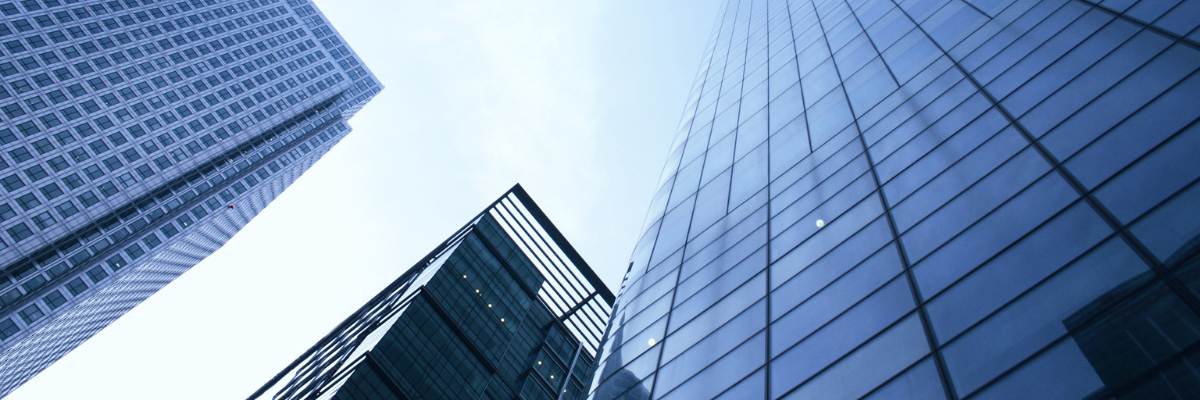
(169, 230)
(28, 201)
(66, 210)
(43, 80)
(36, 41)
(114, 78)
(97, 274)
(43, 220)
(131, 155)
(144, 171)
(98, 147)
(96, 84)
(79, 155)
(51, 191)
(115, 262)
(14, 46)
(93, 172)
(50, 120)
(28, 63)
(57, 96)
(134, 251)
(108, 189)
(6, 212)
(7, 326)
(126, 180)
(58, 164)
(31, 314)
(43, 145)
(149, 147)
(31, 5)
(112, 163)
(20, 232)
(71, 113)
(73, 181)
(20, 154)
(76, 286)
(123, 115)
(104, 123)
(35, 103)
(12, 182)
(151, 240)
(13, 110)
(88, 199)
(54, 300)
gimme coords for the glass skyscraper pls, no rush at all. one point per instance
(137, 137)
(503, 309)
(925, 199)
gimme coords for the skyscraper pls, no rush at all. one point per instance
(138, 137)
(960, 199)
(503, 308)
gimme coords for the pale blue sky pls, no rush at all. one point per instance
(576, 100)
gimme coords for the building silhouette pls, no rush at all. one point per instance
(505, 308)
(960, 199)
(137, 137)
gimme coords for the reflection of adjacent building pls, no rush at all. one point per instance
(621, 383)
(1141, 333)
(503, 309)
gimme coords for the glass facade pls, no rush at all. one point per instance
(137, 137)
(958, 199)
(504, 309)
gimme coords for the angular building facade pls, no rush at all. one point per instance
(137, 137)
(503, 309)
(925, 199)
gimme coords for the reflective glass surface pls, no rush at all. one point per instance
(956, 199)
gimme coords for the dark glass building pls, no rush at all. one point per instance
(137, 137)
(925, 199)
(503, 309)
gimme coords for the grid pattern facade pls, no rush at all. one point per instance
(137, 137)
(491, 313)
(960, 199)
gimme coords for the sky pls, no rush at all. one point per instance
(576, 100)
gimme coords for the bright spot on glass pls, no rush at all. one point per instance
(820, 223)
(652, 342)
